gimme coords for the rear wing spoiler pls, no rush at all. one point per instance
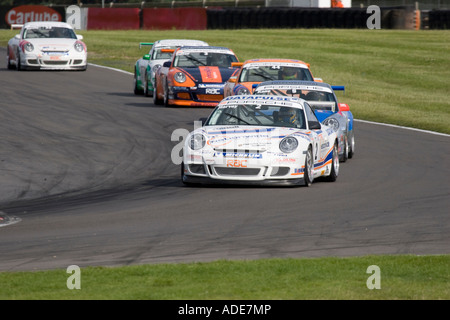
(338, 88)
(16, 26)
(141, 44)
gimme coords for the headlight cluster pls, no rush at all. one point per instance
(28, 47)
(155, 67)
(332, 122)
(197, 141)
(242, 90)
(78, 46)
(288, 144)
(179, 77)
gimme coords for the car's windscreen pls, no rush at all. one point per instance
(198, 59)
(49, 32)
(257, 115)
(319, 100)
(274, 72)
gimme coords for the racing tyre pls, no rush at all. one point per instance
(166, 95)
(334, 164)
(345, 154)
(351, 150)
(18, 63)
(137, 91)
(309, 166)
(146, 92)
(9, 65)
(156, 100)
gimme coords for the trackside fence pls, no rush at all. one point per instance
(406, 17)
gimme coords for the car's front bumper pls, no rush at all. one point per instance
(54, 62)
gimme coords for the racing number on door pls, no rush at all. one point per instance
(237, 163)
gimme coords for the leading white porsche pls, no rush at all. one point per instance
(253, 139)
(47, 45)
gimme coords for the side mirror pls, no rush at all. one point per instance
(17, 36)
(167, 64)
(232, 79)
(146, 57)
(344, 107)
(80, 37)
(237, 64)
(318, 80)
(314, 125)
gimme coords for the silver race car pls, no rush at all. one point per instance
(255, 139)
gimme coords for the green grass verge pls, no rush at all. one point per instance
(400, 77)
(404, 277)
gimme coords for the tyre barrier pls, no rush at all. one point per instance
(259, 18)
(347, 18)
(439, 19)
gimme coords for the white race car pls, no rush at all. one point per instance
(46, 45)
(254, 139)
(160, 52)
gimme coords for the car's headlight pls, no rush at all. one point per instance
(78, 46)
(179, 77)
(288, 144)
(28, 47)
(155, 67)
(242, 90)
(332, 122)
(197, 141)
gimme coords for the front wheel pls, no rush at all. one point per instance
(146, 92)
(334, 164)
(136, 89)
(156, 100)
(166, 95)
(345, 153)
(309, 166)
(351, 150)
(9, 65)
(18, 62)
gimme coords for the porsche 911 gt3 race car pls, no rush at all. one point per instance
(144, 68)
(195, 76)
(46, 45)
(257, 139)
(322, 99)
(255, 71)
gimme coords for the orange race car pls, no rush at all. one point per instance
(195, 76)
(255, 71)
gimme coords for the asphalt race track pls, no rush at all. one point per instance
(86, 178)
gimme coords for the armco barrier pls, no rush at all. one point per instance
(113, 18)
(174, 18)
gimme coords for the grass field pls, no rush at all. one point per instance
(400, 277)
(399, 77)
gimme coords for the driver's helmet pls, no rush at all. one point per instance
(315, 96)
(288, 115)
(219, 60)
(289, 73)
